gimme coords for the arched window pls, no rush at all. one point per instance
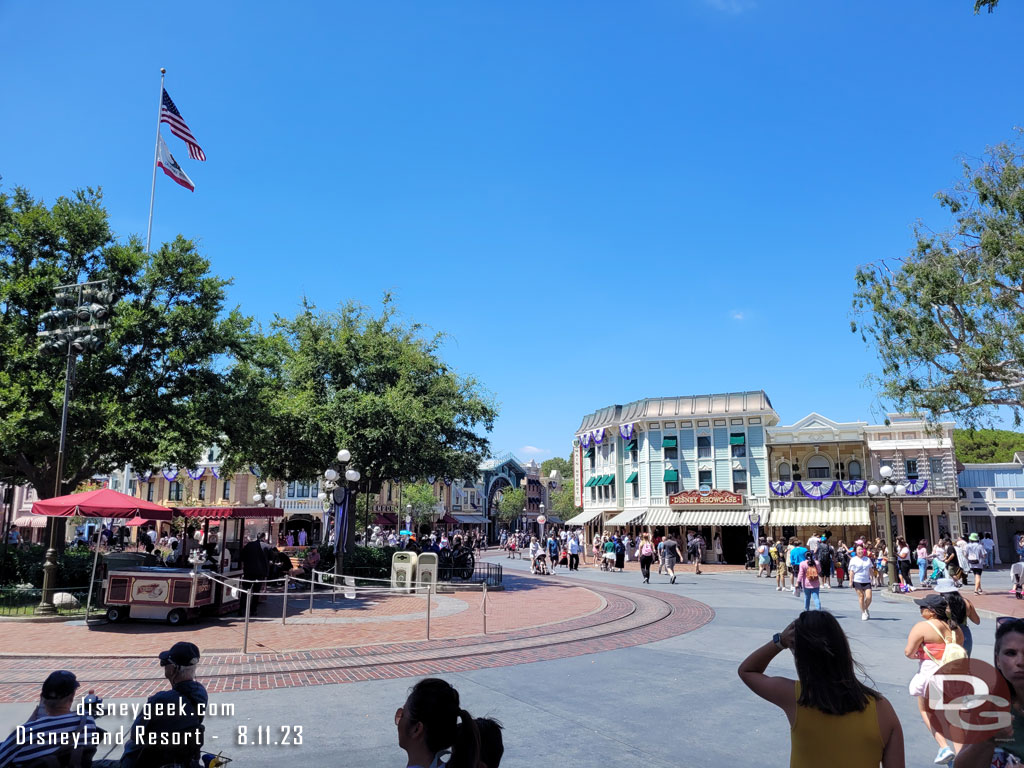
(854, 471)
(818, 468)
(785, 473)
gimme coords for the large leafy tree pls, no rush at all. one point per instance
(155, 392)
(948, 319)
(563, 501)
(511, 504)
(370, 383)
(421, 497)
(556, 462)
(983, 446)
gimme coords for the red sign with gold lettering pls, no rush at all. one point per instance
(698, 498)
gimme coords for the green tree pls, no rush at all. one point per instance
(563, 501)
(556, 462)
(154, 393)
(348, 379)
(987, 446)
(421, 497)
(989, 4)
(511, 505)
(948, 319)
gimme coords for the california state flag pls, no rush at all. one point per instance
(166, 161)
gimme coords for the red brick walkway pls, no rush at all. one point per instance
(626, 617)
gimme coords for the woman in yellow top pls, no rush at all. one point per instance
(828, 698)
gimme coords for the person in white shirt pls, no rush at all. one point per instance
(990, 549)
(860, 578)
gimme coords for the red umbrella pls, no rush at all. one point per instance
(101, 503)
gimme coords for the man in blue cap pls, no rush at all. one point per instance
(170, 727)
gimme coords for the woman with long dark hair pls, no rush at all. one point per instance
(1005, 747)
(960, 608)
(428, 725)
(828, 698)
(927, 643)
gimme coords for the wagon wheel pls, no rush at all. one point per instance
(116, 613)
(468, 564)
(176, 617)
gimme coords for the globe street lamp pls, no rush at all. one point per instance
(72, 329)
(541, 519)
(263, 497)
(408, 517)
(887, 489)
(340, 485)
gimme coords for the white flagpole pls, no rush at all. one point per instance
(156, 153)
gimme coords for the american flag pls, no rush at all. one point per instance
(169, 114)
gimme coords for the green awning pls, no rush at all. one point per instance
(588, 454)
(671, 476)
(607, 479)
(589, 482)
(668, 442)
(737, 440)
(631, 478)
(630, 446)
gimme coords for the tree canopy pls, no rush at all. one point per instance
(987, 446)
(511, 505)
(556, 462)
(421, 497)
(989, 4)
(948, 319)
(156, 390)
(370, 383)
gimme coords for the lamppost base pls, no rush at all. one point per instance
(46, 606)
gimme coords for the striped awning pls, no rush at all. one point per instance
(697, 517)
(471, 519)
(627, 517)
(799, 512)
(584, 517)
(30, 521)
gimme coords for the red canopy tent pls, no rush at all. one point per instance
(101, 503)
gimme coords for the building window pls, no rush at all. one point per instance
(174, 491)
(226, 495)
(636, 490)
(671, 488)
(703, 447)
(291, 489)
(390, 487)
(202, 490)
(739, 480)
(911, 466)
(854, 471)
(935, 471)
(149, 492)
(979, 495)
(785, 473)
(611, 490)
(738, 445)
(739, 451)
(593, 494)
(818, 468)
(671, 454)
(1002, 494)
(132, 487)
(704, 477)
(1018, 494)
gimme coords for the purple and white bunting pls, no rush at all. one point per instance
(195, 474)
(817, 489)
(916, 487)
(598, 435)
(626, 431)
(170, 476)
(781, 487)
(853, 487)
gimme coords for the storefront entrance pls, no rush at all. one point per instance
(734, 543)
(916, 528)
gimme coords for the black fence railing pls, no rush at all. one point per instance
(22, 601)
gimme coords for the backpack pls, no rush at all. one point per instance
(951, 652)
(812, 571)
(646, 550)
(620, 548)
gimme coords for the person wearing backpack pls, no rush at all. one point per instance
(645, 552)
(620, 554)
(809, 579)
(934, 641)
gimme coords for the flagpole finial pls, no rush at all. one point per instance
(163, 71)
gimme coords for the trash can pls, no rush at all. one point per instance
(426, 571)
(403, 570)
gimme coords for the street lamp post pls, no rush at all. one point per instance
(72, 330)
(540, 525)
(887, 489)
(522, 522)
(340, 485)
(263, 497)
(408, 517)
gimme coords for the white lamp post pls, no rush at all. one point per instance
(887, 489)
(340, 484)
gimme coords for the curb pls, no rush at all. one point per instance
(900, 597)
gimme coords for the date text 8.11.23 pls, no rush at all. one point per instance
(265, 735)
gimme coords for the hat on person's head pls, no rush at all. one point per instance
(935, 603)
(181, 654)
(974, 537)
(943, 586)
(59, 685)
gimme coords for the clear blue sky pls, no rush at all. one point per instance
(598, 201)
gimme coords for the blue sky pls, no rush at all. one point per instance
(597, 201)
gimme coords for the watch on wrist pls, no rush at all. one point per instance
(777, 640)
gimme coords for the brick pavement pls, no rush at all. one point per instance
(998, 599)
(627, 617)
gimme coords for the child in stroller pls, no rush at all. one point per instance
(751, 561)
(1017, 575)
(540, 563)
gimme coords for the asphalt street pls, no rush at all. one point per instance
(670, 703)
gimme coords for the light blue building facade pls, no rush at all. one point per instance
(992, 499)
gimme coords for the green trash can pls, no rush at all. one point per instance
(403, 571)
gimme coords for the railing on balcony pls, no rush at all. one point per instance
(831, 489)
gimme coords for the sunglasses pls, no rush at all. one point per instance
(1003, 621)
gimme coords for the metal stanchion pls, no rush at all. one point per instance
(428, 612)
(284, 600)
(245, 634)
(485, 607)
(312, 588)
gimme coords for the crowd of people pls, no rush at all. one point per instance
(433, 728)
(426, 538)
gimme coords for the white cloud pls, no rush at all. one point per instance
(732, 7)
(736, 314)
(533, 450)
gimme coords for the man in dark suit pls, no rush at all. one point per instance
(255, 567)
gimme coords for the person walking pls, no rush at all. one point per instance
(827, 700)
(645, 552)
(860, 579)
(574, 553)
(976, 561)
(620, 554)
(255, 569)
(659, 548)
(783, 567)
(764, 560)
(933, 641)
(990, 549)
(922, 561)
(797, 552)
(961, 609)
(670, 555)
(809, 579)
(826, 554)
(903, 562)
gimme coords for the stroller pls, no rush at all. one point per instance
(1017, 574)
(751, 556)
